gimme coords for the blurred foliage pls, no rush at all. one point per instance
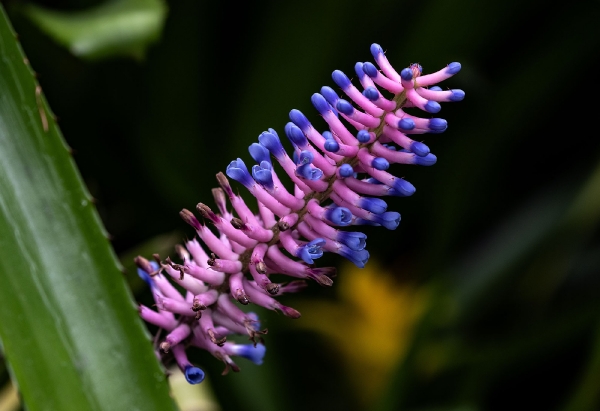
(502, 234)
(116, 27)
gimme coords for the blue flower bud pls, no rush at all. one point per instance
(146, 277)
(295, 135)
(374, 205)
(263, 175)
(438, 124)
(419, 148)
(404, 187)
(359, 258)
(389, 220)
(320, 103)
(432, 106)
(370, 69)
(306, 157)
(259, 153)
(354, 240)
(344, 107)
(371, 93)
(380, 163)
(331, 146)
(311, 251)
(428, 160)
(457, 95)
(309, 172)
(363, 136)
(453, 68)
(341, 79)
(376, 50)
(435, 88)
(194, 375)
(358, 69)
(272, 143)
(252, 353)
(299, 119)
(330, 95)
(406, 74)
(339, 216)
(238, 171)
(346, 170)
(406, 124)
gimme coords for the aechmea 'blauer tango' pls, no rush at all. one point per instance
(337, 175)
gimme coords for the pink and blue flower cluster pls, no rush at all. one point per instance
(338, 176)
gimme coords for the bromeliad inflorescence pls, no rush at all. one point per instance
(337, 176)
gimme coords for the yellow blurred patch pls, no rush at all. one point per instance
(371, 325)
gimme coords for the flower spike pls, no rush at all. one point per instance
(338, 176)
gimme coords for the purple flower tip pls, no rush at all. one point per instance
(404, 187)
(306, 157)
(374, 205)
(299, 119)
(359, 258)
(358, 69)
(453, 68)
(259, 153)
(390, 220)
(295, 135)
(406, 124)
(370, 69)
(435, 88)
(309, 172)
(341, 79)
(428, 160)
(457, 95)
(346, 170)
(438, 124)
(371, 93)
(272, 143)
(194, 375)
(363, 136)
(406, 74)
(262, 174)
(330, 95)
(332, 146)
(376, 50)
(419, 148)
(344, 107)
(380, 163)
(354, 240)
(311, 251)
(238, 171)
(320, 103)
(432, 106)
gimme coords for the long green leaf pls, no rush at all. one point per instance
(68, 324)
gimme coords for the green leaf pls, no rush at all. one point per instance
(117, 27)
(69, 327)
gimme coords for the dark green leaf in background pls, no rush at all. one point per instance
(116, 27)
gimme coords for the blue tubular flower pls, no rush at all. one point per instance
(194, 375)
(254, 353)
(336, 177)
(311, 251)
